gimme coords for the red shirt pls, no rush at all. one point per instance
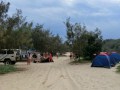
(50, 57)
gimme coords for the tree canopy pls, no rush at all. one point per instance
(16, 32)
(111, 45)
(82, 42)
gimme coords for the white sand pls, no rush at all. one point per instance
(60, 75)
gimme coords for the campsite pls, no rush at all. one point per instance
(59, 45)
(60, 75)
(106, 60)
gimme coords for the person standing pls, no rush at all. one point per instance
(71, 55)
(57, 54)
(29, 58)
(38, 57)
(50, 57)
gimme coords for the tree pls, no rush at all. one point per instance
(111, 45)
(94, 44)
(45, 41)
(75, 34)
(15, 32)
(4, 7)
(70, 33)
(39, 38)
(82, 42)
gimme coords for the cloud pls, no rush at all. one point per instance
(98, 3)
(72, 7)
(68, 2)
(103, 14)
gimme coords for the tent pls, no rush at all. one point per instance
(102, 60)
(115, 57)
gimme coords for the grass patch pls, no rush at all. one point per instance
(7, 69)
(118, 69)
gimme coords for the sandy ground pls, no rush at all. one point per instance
(60, 75)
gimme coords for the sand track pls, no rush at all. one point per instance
(60, 75)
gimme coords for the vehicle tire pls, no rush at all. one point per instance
(34, 61)
(7, 62)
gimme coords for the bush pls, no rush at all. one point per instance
(118, 69)
(6, 69)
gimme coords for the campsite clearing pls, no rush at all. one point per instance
(60, 75)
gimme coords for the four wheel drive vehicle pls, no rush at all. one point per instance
(8, 56)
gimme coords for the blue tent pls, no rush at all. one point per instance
(101, 61)
(115, 57)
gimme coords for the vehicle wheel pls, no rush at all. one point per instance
(7, 62)
(34, 61)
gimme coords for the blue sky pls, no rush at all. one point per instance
(103, 14)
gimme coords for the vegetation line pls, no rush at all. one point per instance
(118, 69)
(7, 69)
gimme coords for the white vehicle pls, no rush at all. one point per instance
(8, 56)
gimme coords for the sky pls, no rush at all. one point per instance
(103, 14)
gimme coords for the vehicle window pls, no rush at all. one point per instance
(10, 52)
(2, 52)
(18, 53)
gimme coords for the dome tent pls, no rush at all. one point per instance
(101, 60)
(115, 56)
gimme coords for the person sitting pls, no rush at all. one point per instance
(45, 57)
(38, 57)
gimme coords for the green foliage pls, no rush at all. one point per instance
(118, 69)
(7, 68)
(110, 45)
(81, 41)
(40, 38)
(45, 41)
(3, 16)
(15, 32)
(94, 43)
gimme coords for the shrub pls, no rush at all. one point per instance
(118, 69)
(6, 69)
